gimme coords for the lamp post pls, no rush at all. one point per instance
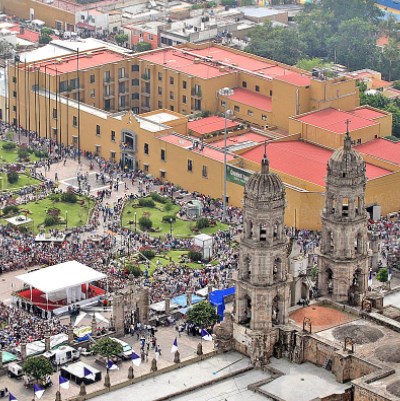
(225, 92)
(129, 237)
(135, 222)
(170, 226)
(66, 219)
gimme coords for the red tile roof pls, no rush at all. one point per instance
(302, 160)
(335, 120)
(368, 113)
(382, 148)
(186, 144)
(235, 140)
(69, 63)
(295, 79)
(252, 99)
(210, 124)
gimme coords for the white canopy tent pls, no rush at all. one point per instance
(18, 220)
(205, 242)
(67, 277)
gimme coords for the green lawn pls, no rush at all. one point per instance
(77, 213)
(11, 156)
(23, 181)
(180, 228)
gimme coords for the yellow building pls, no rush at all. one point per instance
(83, 100)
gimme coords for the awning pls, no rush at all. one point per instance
(61, 276)
(84, 25)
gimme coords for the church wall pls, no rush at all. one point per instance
(385, 191)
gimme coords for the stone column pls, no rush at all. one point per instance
(70, 334)
(167, 306)
(47, 343)
(199, 349)
(82, 389)
(1, 359)
(94, 325)
(209, 288)
(130, 373)
(189, 298)
(153, 365)
(177, 357)
(23, 351)
(58, 395)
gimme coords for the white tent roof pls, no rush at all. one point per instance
(61, 276)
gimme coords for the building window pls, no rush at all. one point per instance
(98, 150)
(270, 92)
(223, 103)
(197, 104)
(171, 80)
(171, 95)
(135, 82)
(112, 155)
(162, 174)
(98, 130)
(250, 112)
(257, 88)
(204, 171)
(359, 141)
(92, 93)
(74, 83)
(151, 37)
(184, 84)
(159, 104)
(74, 121)
(14, 94)
(135, 67)
(92, 79)
(135, 96)
(146, 149)
(184, 99)
(14, 109)
(14, 79)
(113, 136)
(159, 76)
(236, 108)
(264, 117)
(172, 108)
(55, 113)
(121, 72)
(162, 154)
(146, 168)
(190, 165)
(159, 90)
(244, 84)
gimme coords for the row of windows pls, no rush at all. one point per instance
(256, 87)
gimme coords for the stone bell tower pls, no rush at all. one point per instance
(262, 284)
(343, 259)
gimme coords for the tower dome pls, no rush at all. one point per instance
(346, 162)
(264, 184)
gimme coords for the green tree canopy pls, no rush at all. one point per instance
(107, 347)
(382, 275)
(202, 314)
(37, 367)
(121, 38)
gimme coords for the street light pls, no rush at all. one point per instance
(66, 219)
(170, 226)
(225, 92)
(135, 222)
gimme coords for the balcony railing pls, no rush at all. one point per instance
(196, 92)
(108, 81)
(145, 77)
(123, 78)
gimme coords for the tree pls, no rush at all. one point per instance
(45, 36)
(107, 347)
(143, 46)
(309, 63)
(390, 58)
(203, 314)
(12, 177)
(37, 367)
(121, 38)
(382, 275)
(354, 44)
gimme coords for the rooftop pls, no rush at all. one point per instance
(209, 152)
(335, 120)
(368, 113)
(194, 62)
(85, 61)
(252, 99)
(302, 160)
(248, 137)
(210, 124)
(383, 149)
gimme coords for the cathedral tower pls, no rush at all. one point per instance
(262, 288)
(343, 259)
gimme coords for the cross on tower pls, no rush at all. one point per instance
(347, 126)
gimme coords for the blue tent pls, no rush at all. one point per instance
(217, 298)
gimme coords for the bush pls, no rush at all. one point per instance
(68, 197)
(158, 198)
(10, 210)
(145, 223)
(134, 270)
(41, 154)
(51, 221)
(23, 154)
(55, 197)
(203, 222)
(382, 275)
(12, 177)
(147, 254)
(146, 202)
(195, 256)
(168, 206)
(9, 146)
(167, 219)
(54, 212)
